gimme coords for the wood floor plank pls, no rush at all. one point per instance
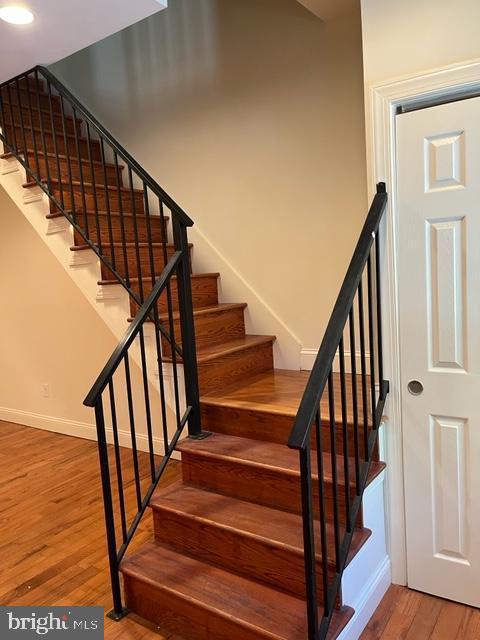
(404, 614)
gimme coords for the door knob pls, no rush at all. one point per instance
(415, 387)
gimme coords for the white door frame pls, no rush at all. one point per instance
(382, 101)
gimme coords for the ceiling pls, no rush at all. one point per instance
(62, 27)
(328, 9)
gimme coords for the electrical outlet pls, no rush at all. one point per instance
(45, 390)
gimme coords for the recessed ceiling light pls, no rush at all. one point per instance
(16, 15)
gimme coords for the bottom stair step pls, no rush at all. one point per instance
(203, 602)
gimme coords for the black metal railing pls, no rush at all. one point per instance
(341, 409)
(148, 391)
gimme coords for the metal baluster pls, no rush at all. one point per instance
(353, 366)
(371, 338)
(148, 221)
(94, 186)
(135, 232)
(118, 459)
(42, 132)
(146, 395)
(24, 137)
(122, 220)
(309, 542)
(379, 315)
(107, 205)
(55, 146)
(34, 140)
(361, 323)
(69, 161)
(345, 434)
(82, 183)
(333, 455)
(14, 133)
(160, 376)
(322, 510)
(131, 415)
(108, 508)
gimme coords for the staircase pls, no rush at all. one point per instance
(253, 542)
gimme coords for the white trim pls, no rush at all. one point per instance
(382, 102)
(307, 360)
(77, 429)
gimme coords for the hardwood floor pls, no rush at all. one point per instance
(410, 615)
(52, 540)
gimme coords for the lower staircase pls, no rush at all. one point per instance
(227, 560)
(233, 554)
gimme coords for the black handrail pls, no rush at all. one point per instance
(77, 163)
(312, 430)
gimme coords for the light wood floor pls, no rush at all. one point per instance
(52, 540)
(52, 544)
(410, 615)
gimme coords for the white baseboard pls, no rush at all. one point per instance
(78, 429)
(307, 359)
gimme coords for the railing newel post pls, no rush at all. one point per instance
(118, 611)
(185, 303)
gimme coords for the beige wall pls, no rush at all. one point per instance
(403, 38)
(251, 115)
(50, 333)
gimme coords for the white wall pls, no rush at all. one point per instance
(50, 333)
(403, 38)
(250, 114)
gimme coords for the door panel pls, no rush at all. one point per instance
(439, 304)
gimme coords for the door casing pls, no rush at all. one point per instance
(382, 102)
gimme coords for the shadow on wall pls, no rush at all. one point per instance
(251, 115)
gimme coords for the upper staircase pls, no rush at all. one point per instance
(253, 542)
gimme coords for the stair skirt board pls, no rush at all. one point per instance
(368, 576)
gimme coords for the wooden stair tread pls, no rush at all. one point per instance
(279, 528)
(62, 156)
(280, 391)
(149, 280)
(264, 454)
(203, 311)
(89, 185)
(117, 245)
(92, 212)
(247, 603)
(211, 352)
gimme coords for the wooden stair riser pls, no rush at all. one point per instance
(27, 101)
(269, 486)
(204, 294)
(158, 232)
(45, 117)
(213, 328)
(133, 263)
(36, 138)
(229, 367)
(116, 203)
(186, 617)
(98, 171)
(256, 558)
(270, 427)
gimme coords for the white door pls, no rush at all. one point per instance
(439, 291)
